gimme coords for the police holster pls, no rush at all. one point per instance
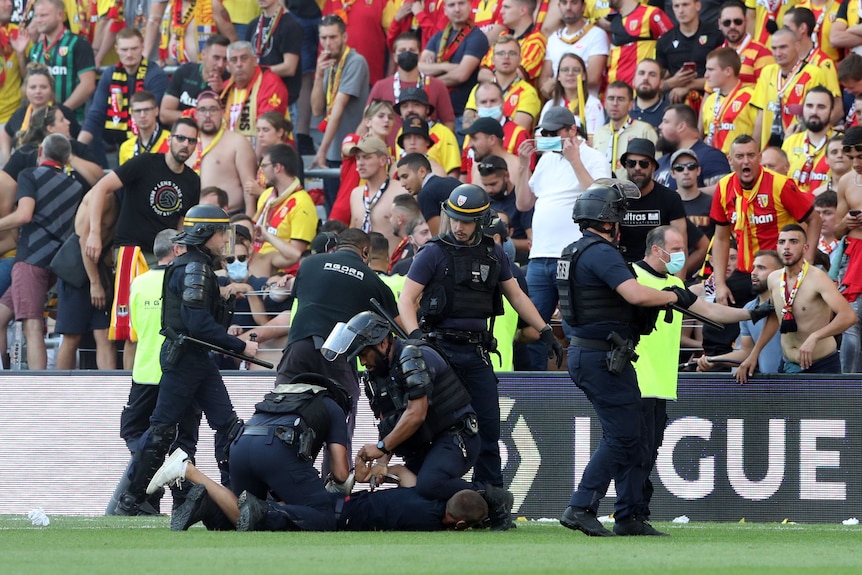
(174, 345)
(621, 354)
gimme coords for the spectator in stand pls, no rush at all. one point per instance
(843, 34)
(727, 112)
(38, 93)
(486, 139)
(277, 40)
(405, 54)
(685, 170)
(251, 91)
(651, 102)
(69, 56)
(569, 91)
(517, 17)
(612, 138)
(825, 205)
(775, 159)
(188, 28)
(10, 98)
(307, 13)
(445, 151)
(151, 138)
(378, 120)
(418, 233)
(806, 149)
(453, 54)
(496, 179)
(838, 164)
(415, 175)
(366, 25)
(733, 22)
(576, 36)
(416, 139)
(46, 203)
(490, 104)
(679, 130)
(521, 101)
(633, 37)
(192, 78)
(339, 94)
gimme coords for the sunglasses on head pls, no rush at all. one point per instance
(644, 164)
(691, 166)
(486, 169)
(853, 148)
(734, 21)
(231, 259)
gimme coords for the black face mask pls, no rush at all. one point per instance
(408, 61)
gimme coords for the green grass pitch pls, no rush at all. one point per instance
(130, 546)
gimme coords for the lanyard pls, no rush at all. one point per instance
(612, 149)
(370, 202)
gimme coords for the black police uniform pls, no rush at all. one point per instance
(275, 453)
(446, 445)
(389, 510)
(461, 292)
(192, 306)
(592, 268)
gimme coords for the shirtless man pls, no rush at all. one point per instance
(805, 300)
(370, 203)
(848, 220)
(222, 158)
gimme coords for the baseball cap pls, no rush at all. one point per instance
(323, 242)
(683, 152)
(414, 94)
(488, 126)
(557, 118)
(369, 145)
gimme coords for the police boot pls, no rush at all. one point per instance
(127, 505)
(122, 487)
(500, 502)
(251, 512)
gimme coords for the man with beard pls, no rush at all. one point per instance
(754, 204)
(612, 138)
(732, 22)
(765, 262)
(404, 211)
(486, 139)
(806, 150)
(496, 179)
(192, 78)
(650, 103)
(657, 205)
(158, 190)
(416, 176)
(577, 36)
(678, 131)
(370, 203)
(223, 158)
(809, 308)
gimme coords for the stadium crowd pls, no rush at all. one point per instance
(469, 153)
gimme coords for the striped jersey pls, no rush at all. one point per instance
(768, 10)
(726, 117)
(67, 58)
(754, 56)
(775, 95)
(808, 166)
(520, 96)
(633, 38)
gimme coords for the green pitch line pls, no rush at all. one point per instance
(131, 546)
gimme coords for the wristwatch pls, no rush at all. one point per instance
(382, 447)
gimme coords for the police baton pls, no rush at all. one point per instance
(217, 348)
(397, 328)
(731, 362)
(694, 315)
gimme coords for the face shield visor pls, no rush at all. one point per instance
(339, 342)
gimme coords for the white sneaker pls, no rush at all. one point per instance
(173, 469)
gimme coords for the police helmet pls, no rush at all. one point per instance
(200, 223)
(604, 201)
(364, 329)
(468, 203)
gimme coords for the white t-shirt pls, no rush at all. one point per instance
(594, 43)
(593, 109)
(556, 188)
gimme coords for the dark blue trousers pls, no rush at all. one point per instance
(439, 471)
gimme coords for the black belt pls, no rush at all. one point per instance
(285, 434)
(457, 336)
(596, 344)
(339, 508)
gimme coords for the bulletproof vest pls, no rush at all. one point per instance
(468, 288)
(581, 305)
(306, 401)
(208, 297)
(388, 396)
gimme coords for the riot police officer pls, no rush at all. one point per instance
(424, 411)
(274, 453)
(609, 313)
(191, 306)
(458, 280)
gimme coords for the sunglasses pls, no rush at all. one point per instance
(486, 169)
(734, 21)
(181, 139)
(853, 148)
(644, 164)
(231, 259)
(691, 166)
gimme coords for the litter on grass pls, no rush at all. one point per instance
(38, 517)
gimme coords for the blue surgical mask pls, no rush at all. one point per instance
(549, 144)
(676, 263)
(494, 112)
(237, 271)
(509, 248)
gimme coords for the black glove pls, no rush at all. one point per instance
(416, 334)
(685, 299)
(761, 311)
(554, 348)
